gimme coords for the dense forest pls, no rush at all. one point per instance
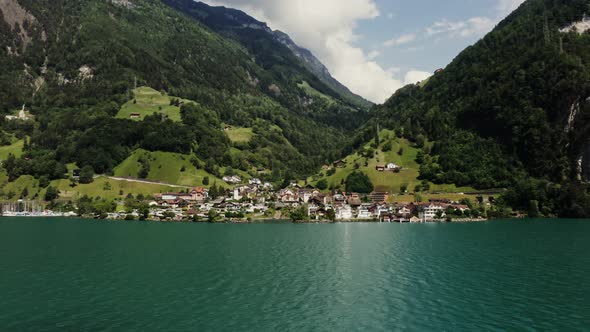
(75, 63)
(511, 109)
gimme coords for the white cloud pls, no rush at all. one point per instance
(472, 27)
(373, 55)
(403, 39)
(415, 76)
(327, 28)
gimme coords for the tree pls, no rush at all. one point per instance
(387, 147)
(86, 174)
(43, 181)
(403, 188)
(213, 192)
(331, 215)
(359, 182)
(322, 184)
(206, 181)
(299, 214)
(212, 216)
(51, 194)
(144, 213)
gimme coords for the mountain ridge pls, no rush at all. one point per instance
(230, 21)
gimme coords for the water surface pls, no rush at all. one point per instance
(78, 275)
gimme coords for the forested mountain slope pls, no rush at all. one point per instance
(274, 50)
(75, 63)
(512, 106)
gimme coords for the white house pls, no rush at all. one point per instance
(430, 212)
(391, 167)
(344, 212)
(364, 213)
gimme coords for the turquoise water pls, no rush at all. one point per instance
(75, 275)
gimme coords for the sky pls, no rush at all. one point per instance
(375, 47)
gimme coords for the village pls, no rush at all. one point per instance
(257, 200)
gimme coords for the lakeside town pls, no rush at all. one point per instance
(256, 200)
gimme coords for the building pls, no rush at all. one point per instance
(134, 116)
(339, 164)
(232, 179)
(380, 168)
(364, 213)
(22, 115)
(379, 197)
(431, 211)
(344, 212)
(392, 167)
(199, 194)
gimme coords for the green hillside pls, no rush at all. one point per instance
(239, 135)
(166, 167)
(15, 148)
(511, 111)
(147, 101)
(101, 187)
(77, 72)
(403, 153)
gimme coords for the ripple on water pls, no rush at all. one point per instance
(153, 277)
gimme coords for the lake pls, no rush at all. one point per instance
(83, 275)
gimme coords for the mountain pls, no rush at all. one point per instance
(513, 108)
(100, 80)
(238, 25)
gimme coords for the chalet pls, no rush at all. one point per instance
(199, 194)
(380, 168)
(134, 116)
(255, 181)
(364, 213)
(392, 167)
(234, 179)
(326, 167)
(344, 212)
(339, 164)
(76, 174)
(415, 219)
(431, 211)
(354, 200)
(169, 196)
(439, 70)
(305, 195)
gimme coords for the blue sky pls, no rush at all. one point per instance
(411, 19)
(376, 46)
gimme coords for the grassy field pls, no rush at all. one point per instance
(313, 92)
(147, 102)
(101, 187)
(387, 181)
(15, 148)
(165, 167)
(240, 135)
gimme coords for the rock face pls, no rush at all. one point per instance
(579, 27)
(317, 67)
(18, 19)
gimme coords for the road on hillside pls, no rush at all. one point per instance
(142, 181)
